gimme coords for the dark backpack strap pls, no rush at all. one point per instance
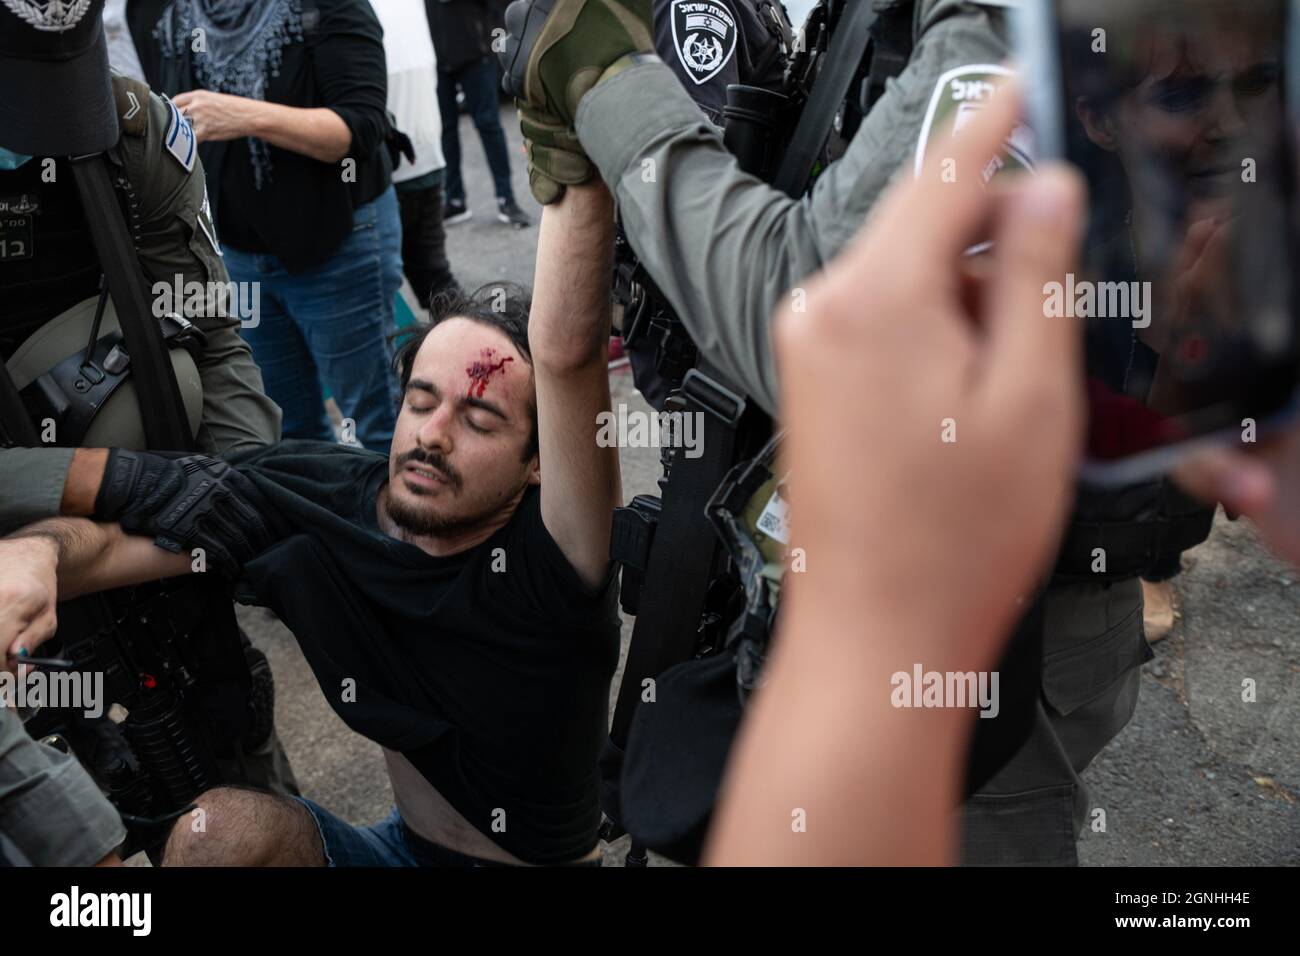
(684, 547)
(161, 408)
(892, 41)
(832, 83)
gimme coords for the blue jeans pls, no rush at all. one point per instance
(328, 328)
(479, 81)
(389, 843)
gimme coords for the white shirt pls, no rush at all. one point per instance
(412, 83)
(121, 48)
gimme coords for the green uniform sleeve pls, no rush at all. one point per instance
(31, 484)
(50, 808)
(177, 239)
(726, 248)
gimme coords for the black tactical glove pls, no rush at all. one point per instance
(184, 503)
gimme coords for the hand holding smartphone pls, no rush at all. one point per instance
(1182, 116)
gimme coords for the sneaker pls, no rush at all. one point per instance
(508, 211)
(455, 211)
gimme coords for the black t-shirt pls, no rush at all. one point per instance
(489, 669)
(304, 212)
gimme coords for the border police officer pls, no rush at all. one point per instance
(60, 101)
(591, 70)
(709, 45)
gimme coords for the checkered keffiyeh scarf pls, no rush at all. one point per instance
(236, 50)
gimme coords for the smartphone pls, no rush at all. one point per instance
(1182, 116)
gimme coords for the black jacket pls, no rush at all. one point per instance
(305, 212)
(462, 30)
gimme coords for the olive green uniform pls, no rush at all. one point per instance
(174, 240)
(51, 810)
(726, 249)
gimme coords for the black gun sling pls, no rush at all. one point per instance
(161, 408)
(684, 548)
(682, 555)
(832, 83)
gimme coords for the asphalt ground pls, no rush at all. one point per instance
(1198, 777)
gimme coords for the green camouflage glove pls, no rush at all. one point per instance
(557, 50)
(555, 157)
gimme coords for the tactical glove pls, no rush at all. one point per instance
(555, 157)
(185, 502)
(557, 50)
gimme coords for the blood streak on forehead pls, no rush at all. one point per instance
(481, 371)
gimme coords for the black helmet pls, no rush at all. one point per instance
(57, 99)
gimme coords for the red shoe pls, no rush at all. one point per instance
(617, 355)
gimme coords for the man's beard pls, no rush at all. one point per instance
(428, 522)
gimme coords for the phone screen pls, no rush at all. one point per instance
(1179, 115)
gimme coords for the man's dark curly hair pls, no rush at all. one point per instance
(500, 305)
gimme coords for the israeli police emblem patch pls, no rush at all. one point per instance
(958, 97)
(704, 35)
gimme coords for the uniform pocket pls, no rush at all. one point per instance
(1082, 672)
(1033, 828)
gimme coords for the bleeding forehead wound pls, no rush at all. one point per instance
(480, 371)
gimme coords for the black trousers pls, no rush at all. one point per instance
(480, 83)
(424, 242)
(1032, 810)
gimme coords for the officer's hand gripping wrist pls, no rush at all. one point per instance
(555, 157)
(185, 502)
(557, 50)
